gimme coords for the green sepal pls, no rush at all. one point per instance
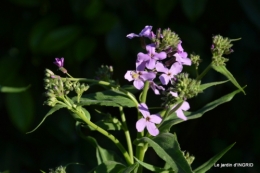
(5, 89)
(172, 119)
(207, 165)
(223, 70)
(167, 148)
(153, 168)
(106, 98)
(207, 85)
(51, 111)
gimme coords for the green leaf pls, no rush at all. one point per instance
(54, 109)
(109, 124)
(106, 98)
(153, 168)
(60, 38)
(223, 70)
(172, 119)
(5, 89)
(102, 154)
(207, 85)
(193, 8)
(130, 168)
(207, 165)
(167, 148)
(21, 110)
(109, 166)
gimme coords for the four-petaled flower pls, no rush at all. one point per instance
(168, 73)
(184, 107)
(148, 120)
(181, 56)
(59, 62)
(151, 57)
(146, 32)
(139, 77)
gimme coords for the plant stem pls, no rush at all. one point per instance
(204, 72)
(140, 150)
(127, 134)
(110, 136)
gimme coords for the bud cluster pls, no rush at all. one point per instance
(195, 59)
(105, 73)
(189, 158)
(166, 41)
(185, 86)
(221, 46)
(59, 169)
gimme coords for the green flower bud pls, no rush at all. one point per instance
(195, 59)
(59, 169)
(189, 158)
(48, 73)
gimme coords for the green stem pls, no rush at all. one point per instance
(204, 72)
(110, 136)
(140, 150)
(127, 134)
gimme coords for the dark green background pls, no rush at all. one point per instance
(89, 33)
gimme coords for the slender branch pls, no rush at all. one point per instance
(127, 134)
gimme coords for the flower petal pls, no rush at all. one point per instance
(128, 75)
(139, 84)
(132, 35)
(180, 114)
(155, 119)
(160, 56)
(164, 79)
(185, 106)
(140, 65)
(140, 125)
(152, 129)
(143, 57)
(151, 64)
(161, 68)
(142, 107)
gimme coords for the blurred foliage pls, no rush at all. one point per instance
(91, 33)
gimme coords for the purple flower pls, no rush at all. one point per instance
(148, 120)
(59, 62)
(156, 88)
(151, 57)
(181, 56)
(146, 32)
(139, 77)
(168, 73)
(184, 107)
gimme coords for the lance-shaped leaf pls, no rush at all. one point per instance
(102, 154)
(106, 98)
(6, 89)
(172, 119)
(54, 109)
(207, 85)
(153, 168)
(109, 166)
(167, 148)
(207, 165)
(223, 70)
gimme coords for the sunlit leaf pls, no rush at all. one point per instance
(173, 119)
(106, 98)
(167, 148)
(207, 85)
(207, 165)
(153, 168)
(223, 70)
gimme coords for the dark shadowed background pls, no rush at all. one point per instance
(89, 33)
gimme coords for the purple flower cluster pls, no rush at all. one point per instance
(150, 64)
